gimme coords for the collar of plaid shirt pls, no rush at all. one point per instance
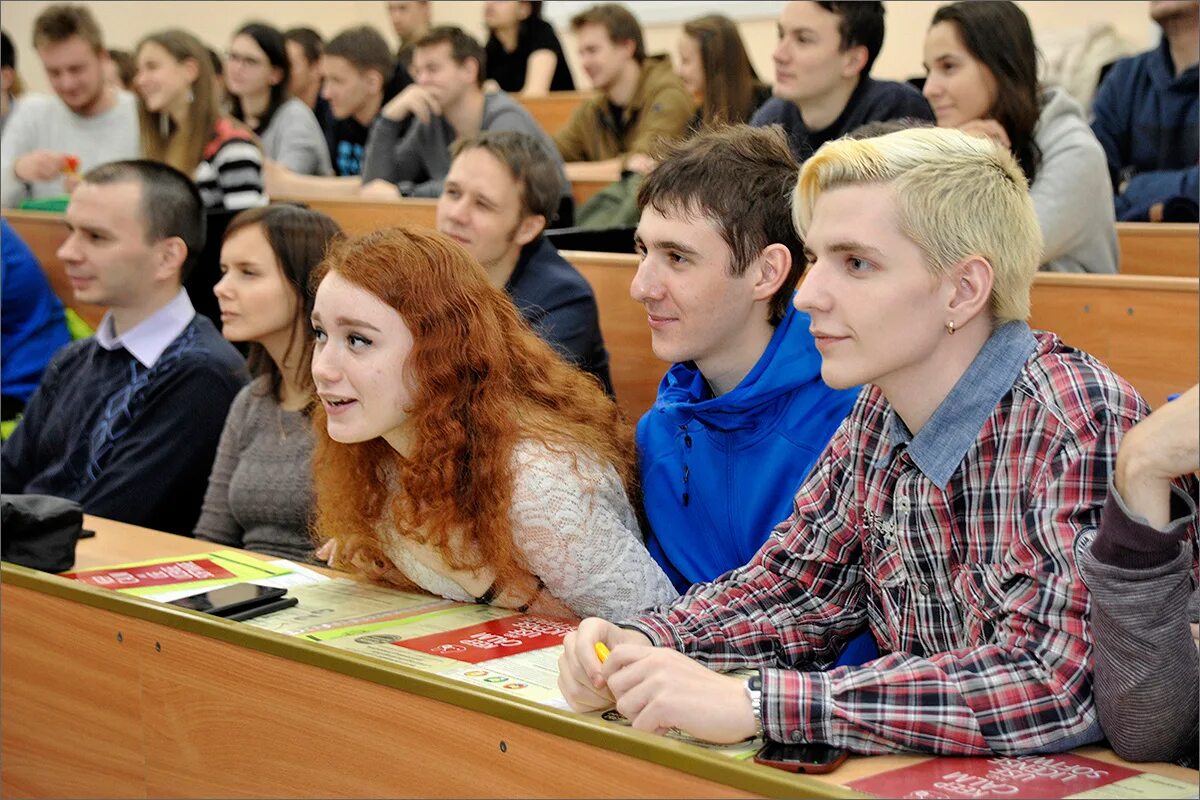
(940, 446)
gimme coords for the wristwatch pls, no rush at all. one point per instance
(754, 692)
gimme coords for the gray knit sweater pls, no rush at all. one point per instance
(1146, 669)
(260, 491)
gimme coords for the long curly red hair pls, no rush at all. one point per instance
(483, 382)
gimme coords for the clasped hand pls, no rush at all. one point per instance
(655, 688)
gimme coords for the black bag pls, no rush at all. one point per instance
(39, 531)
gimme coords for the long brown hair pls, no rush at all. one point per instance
(183, 145)
(731, 86)
(483, 383)
(298, 238)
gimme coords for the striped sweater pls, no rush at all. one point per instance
(229, 175)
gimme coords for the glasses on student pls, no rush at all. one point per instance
(242, 60)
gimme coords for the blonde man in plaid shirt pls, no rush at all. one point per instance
(944, 512)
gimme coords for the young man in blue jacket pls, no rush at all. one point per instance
(742, 414)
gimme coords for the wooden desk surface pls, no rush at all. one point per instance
(106, 695)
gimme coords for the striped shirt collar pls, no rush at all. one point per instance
(940, 446)
(147, 340)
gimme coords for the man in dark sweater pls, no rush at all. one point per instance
(500, 193)
(127, 422)
(823, 84)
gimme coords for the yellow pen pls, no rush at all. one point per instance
(601, 652)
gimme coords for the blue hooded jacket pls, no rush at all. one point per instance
(718, 473)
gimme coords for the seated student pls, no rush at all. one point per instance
(126, 422)
(258, 73)
(86, 118)
(304, 48)
(715, 68)
(409, 149)
(1141, 571)
(499, 196)
(823, 84)
(456, 452)
(260, 491)
(355, 69)
(182, 124)
(943, 512)
(639, 101)
(742, 414)
(10, 81)
(1146, 117)
(411, 19)
(981, 64)
(33, 324)
(523, 51)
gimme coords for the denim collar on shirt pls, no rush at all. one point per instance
(939, 447)
(147, 340)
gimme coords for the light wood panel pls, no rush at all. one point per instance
(357, 217)
(552, 111)
(1159, 248)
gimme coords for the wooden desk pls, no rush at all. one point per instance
(110, 695)
(552, 111)
(1159, 248)
(357, 217)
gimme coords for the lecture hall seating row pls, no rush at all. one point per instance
(1146, 327)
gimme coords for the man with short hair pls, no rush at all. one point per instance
(501, 192)
(408, 152)
(411, 19)
(1147, 117)
(126, 422)
(88, 123)
(944, 513)
(742, 414)
(823, 84)
(355, 67)
(639, 103)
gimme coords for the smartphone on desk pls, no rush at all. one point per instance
(809, 758)
(239, 601)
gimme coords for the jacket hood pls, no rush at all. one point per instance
(1058, 105)
(683, 394)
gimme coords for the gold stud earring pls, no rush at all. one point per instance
(951, 327)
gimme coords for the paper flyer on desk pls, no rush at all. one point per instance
(343, 607)
(180, 574)
(1058, 776)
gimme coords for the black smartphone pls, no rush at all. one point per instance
(811, 758)
(225, 601)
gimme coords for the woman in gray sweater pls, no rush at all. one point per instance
(257, 72)
(260, 491)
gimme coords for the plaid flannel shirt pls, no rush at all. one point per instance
(956, 547)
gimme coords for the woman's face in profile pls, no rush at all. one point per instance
(359, 363)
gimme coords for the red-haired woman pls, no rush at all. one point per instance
(455, 451)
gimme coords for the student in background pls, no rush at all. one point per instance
(1141, 571)
(33, 325)
(456, 452)
(742, 414)
(501, 193)
(408, 152)
(1147, 120)
(126, 422)
(304, 48)
(120, 69)
(523, 52)
(823, 84)
(981, 66)
(944, 512)
(86, 118)
(258, 74)
(639, 101)
(354, 70)
(260, 491)
(10, 81)
(715, 68)
(181, 124)
(411, 19)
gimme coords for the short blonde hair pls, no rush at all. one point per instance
(957, 196)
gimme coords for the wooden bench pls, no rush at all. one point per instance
(1159, 248)
(552, 111)
(357, 217)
